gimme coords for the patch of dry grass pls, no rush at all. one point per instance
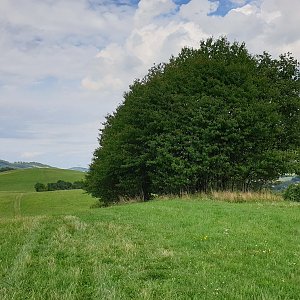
(229, 196)
(264, 196)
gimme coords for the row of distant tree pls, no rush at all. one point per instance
(59, 185)
(5, 169)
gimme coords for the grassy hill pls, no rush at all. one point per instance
(17, 204)
(23, 180)
(22, 164)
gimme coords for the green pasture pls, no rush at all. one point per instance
(18, 204)
(23, 180)
(53, 245)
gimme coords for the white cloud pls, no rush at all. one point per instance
(246, 10)
(64, 64)
(198, 10)
(106, 82)
(151, 40)
(30, 155)
(57, 38)
(148, 10)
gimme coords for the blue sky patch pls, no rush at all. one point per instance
(224, 5)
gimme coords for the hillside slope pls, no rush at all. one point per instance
(22, 165)
(23, 180)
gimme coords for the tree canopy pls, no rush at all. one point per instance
(212, 118)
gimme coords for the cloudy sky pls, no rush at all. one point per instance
(65, 64)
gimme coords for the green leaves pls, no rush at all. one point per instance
(212, 118)
(292, 193)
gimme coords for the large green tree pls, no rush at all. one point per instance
(215, 117)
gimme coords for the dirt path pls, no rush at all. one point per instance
(18, 268)
(17, 205)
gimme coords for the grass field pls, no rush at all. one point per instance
(18, 204)
(53, 246)
(24, 180)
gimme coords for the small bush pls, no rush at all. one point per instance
(40, 187)
(292, 193)
(78, 185)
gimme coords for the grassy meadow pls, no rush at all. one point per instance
(23, 180)
(54, 246)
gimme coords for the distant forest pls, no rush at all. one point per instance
(59, 185)
(22, 165)
(6, 169)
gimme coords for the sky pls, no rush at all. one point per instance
(65, 64)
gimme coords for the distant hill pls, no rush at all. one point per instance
(284, 182)
(80, 169)
(22, 165)
(23, 180)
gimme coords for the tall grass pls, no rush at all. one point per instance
(264, 196)
(227, 196)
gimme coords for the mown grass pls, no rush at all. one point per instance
(178, 249)
(16, 204)
(24, 180)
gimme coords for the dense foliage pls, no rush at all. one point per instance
(59, 185)
(292, 193)
(213, 118)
